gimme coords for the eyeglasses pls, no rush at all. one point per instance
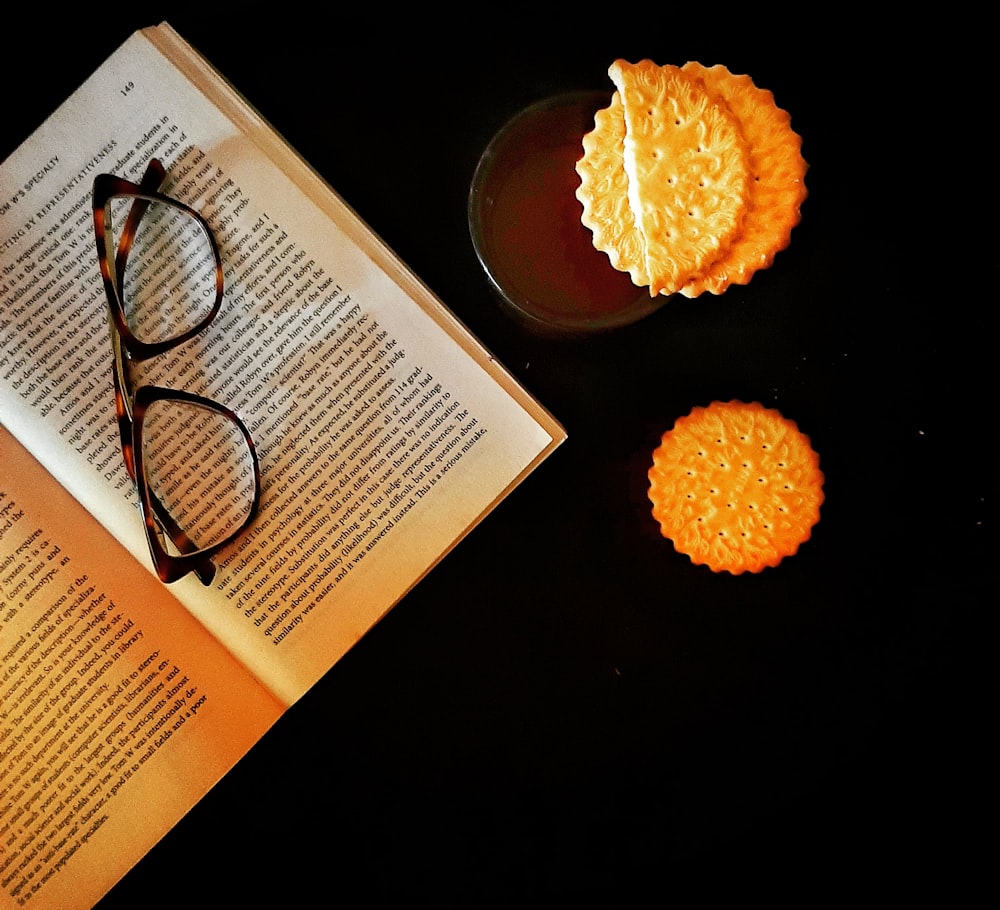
(192, 459)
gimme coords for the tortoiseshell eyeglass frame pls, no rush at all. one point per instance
(131, 402)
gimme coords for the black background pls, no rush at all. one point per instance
(565, 707)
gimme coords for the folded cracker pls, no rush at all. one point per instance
(777, 186)
(603, 193)
(736, 486)
(687, 167)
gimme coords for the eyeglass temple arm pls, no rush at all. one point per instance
(151, 181)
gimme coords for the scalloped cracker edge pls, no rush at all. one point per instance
(736, 486)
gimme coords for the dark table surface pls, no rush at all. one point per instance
(565, 707)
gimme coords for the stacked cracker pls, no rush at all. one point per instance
(692, 179)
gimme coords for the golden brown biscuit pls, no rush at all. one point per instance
(736, 486)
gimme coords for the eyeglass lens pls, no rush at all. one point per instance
(198, 464)
(168, 279)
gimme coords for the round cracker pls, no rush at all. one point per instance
(736, 486)
(777, 188)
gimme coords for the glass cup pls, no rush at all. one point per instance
(524, 219)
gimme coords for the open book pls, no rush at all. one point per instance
(384, 432)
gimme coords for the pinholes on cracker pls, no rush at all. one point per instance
(736, 486)
(692, 179)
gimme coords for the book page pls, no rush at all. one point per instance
(118, 711)
(384, 431)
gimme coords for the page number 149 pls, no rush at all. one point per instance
(128, 87)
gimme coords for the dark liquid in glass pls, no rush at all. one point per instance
(533, 238)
